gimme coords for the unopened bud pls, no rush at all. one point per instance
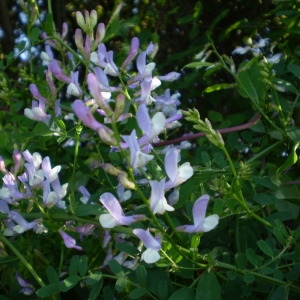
(93, 18)
(119, 107)
(79, 40)
(107, 137)
(80, 20)
(110, 169)
(124, 181)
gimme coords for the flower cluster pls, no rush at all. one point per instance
(109, 96)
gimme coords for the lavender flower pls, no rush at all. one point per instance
(27, 288)
(116, 215)
(153, 245)
(177, 175)
(137, 157)
(158, 202)
(151, 127)
(22, 224)
(85, 194)
(68, 240)
(201, 223)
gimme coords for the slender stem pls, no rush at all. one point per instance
(27, 265)
(201, 134)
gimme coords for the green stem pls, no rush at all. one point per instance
(76, 150)
(27, 265)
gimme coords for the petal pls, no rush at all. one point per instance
(210, 223)
(112, 205)
(143, 119)
(147, 239)
(171, 160)
(186, 228)
(158, 122)
(150, 256)
(107, 221)
(185, 171)
(199, 210)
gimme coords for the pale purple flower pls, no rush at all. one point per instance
(153, 245)
(144, 70)
(84, 114)
(85, 194)
(116, 215)
(134, 47)
(10, 190)
(3, 206)
(58, 72)
(17, 157)
(170, 76)
(27, 287)
(158, 202)
(73, 87)
(104, 59)
(22, 224)
(150, 127)
(137, 157)
(37, 112)
(177, 175)
(69, 241)
(85, 230)
(201, 223)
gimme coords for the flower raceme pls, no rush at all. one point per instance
(201, 223)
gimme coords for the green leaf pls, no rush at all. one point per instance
(52, 275)
(48, 290)
(291, 160)
(115, 267)
(141, 276)
(293, 133)
(34, 34)
(263, 199)
(94, 277)
(121, 283)
(250, 80)
(265, 248)
(83, 265)
(241, 260)
(218, 87)
(285, 86)
(183, 293)
(280, 293)
(248, 278)
(199, 64)
(208, 287)
(137, 293)
(88, 210)
(73, 267)
(68, 283)
(163, 290)
(252, 257)
(96, 290)
(49, 24)
(126, 248)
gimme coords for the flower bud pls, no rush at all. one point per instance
(79, 40)
(124, 181)
(107, 136)
(119, 107)
(80, 20)
(110, 169)
(93, 18)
